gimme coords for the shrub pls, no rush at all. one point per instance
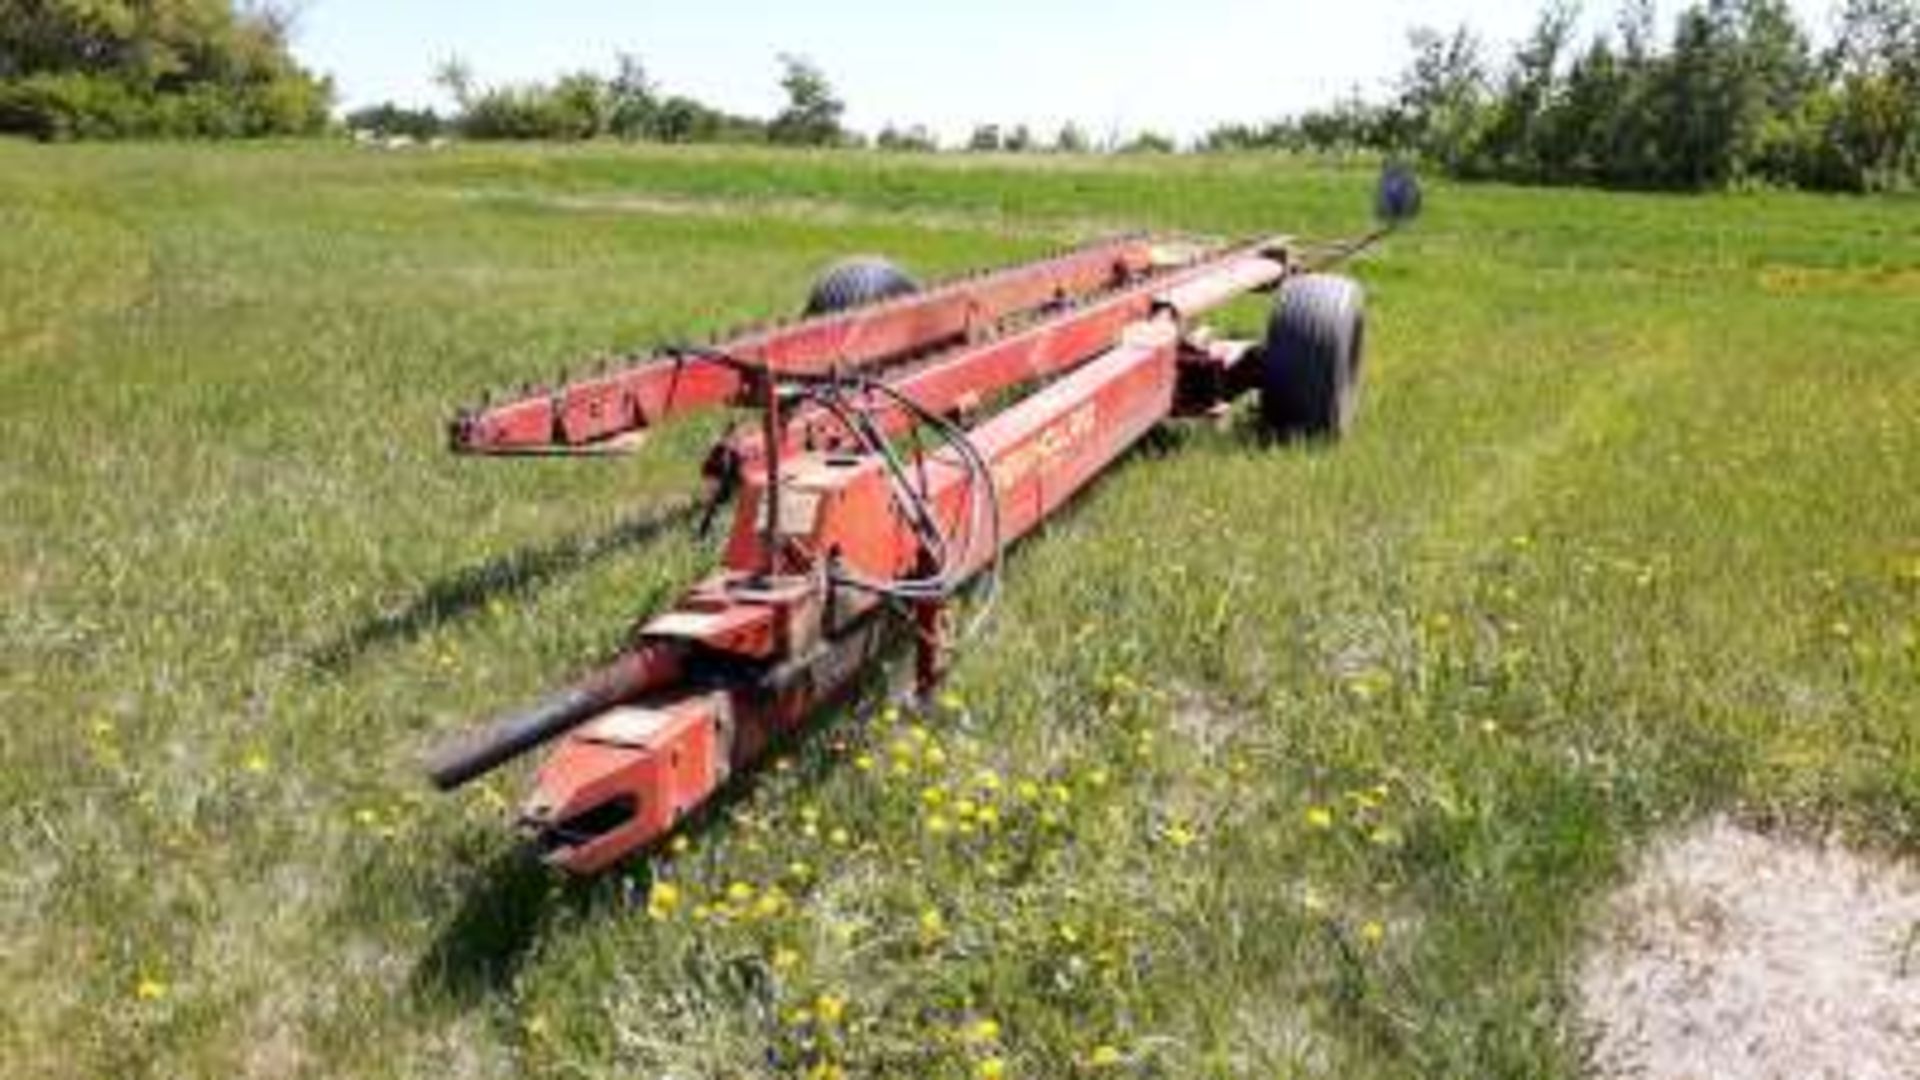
(118, 69)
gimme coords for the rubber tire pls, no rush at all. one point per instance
(1310, 373)
(857, 282)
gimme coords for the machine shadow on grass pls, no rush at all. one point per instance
(460, 593)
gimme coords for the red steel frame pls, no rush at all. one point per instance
(644, 394)
(755, 649)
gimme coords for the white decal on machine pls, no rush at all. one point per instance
(1038, 453)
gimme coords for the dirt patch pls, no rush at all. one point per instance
(1733, 954)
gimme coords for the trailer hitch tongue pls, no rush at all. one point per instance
(626, 779)
(650, 667)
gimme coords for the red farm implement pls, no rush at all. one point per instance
(886, 474)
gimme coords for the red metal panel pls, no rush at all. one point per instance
(1050, 445)
(1041, 450)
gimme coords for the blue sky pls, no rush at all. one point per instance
(1122, 65)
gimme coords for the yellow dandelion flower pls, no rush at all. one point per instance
(964, 809)
(1179, 835)
(827, 1070)
(987, 780)
(933, 796)
(932, 923)
(1028, 791)
(938, 825)
(951, 701)
(1320, 817)
(1372, 932)
(1104, 1057)
(784, 959)
(257, 763)
(150, 989)
(662, 900)
(1060, 794)
(839, 838)
(920, 734)
(935, 757)
(985, 1029)
(1097, 779)
(740, 892)
(830, 1008)
(992, 1068)
(988, 817)
(864, 763)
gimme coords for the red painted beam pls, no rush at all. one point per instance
(649, 391)
(957, 381)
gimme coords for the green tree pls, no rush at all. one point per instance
(103, 68)
(1442, 103)
(916, 139)
(1874, 126)
(455, 76)
(388, 118)
(632, 99)
(812, 114)
(1071, 140)
(985, 139)
(582, 105)
(1148, 142)
(1521, 139)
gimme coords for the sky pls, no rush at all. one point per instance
(1115, 67)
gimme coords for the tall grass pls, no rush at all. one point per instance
(1277, 762)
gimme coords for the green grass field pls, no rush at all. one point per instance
(1277, 762)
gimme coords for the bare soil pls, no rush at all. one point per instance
(1736, 954)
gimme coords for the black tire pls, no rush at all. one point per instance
(857, 282)
(1310, 374)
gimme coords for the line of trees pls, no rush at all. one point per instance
(72, 69)
(627, 104)
(1736, 94)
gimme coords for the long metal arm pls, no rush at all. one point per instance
(962, 379)
(586, 414)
